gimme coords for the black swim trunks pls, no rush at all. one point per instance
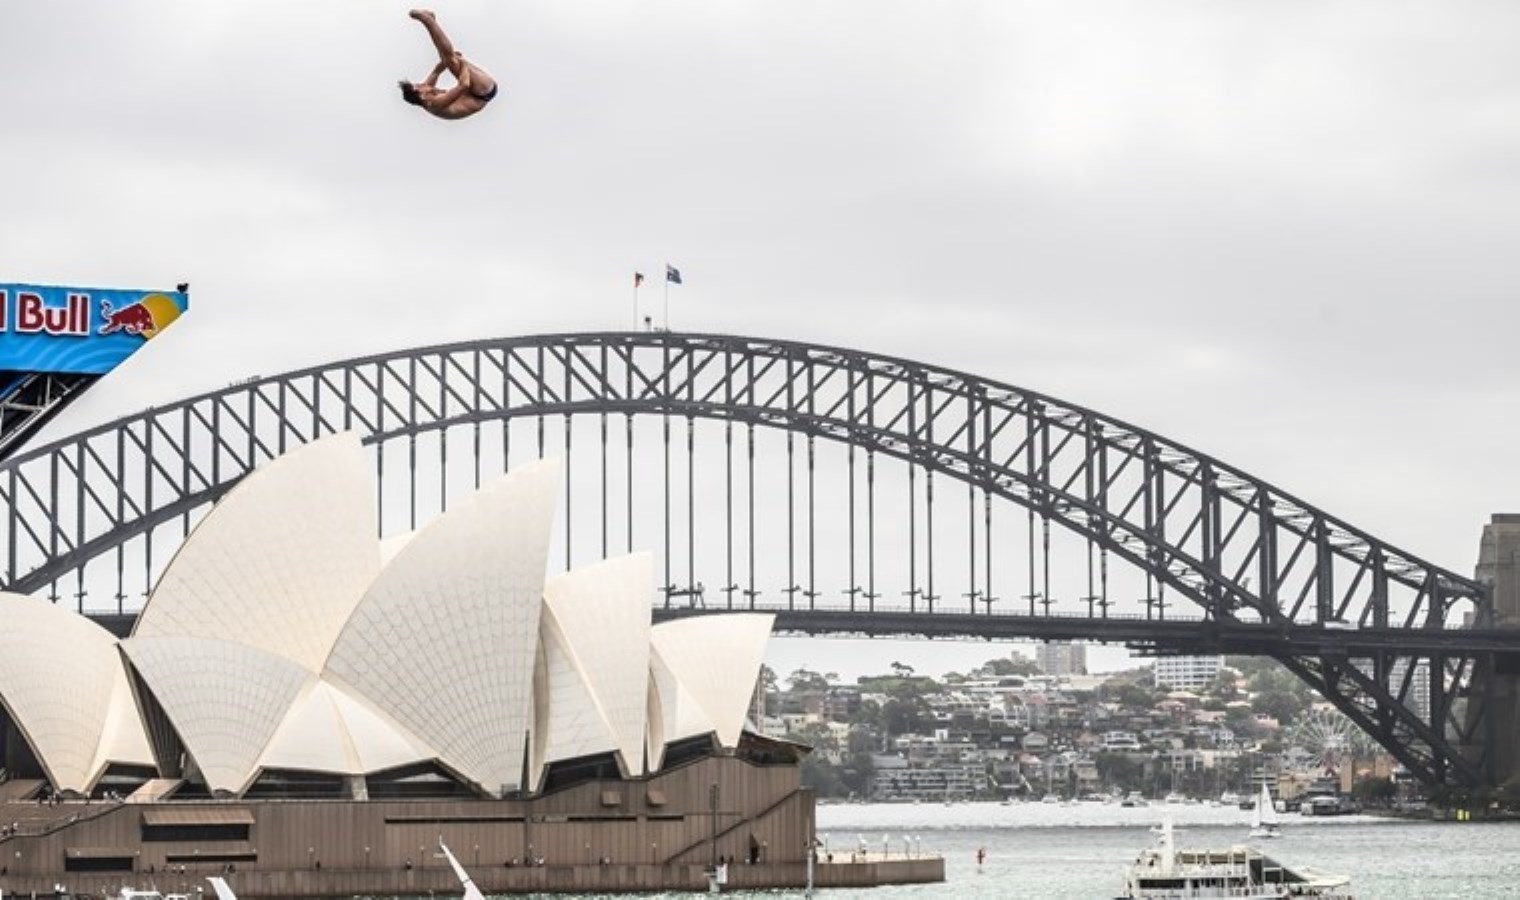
(488, 96)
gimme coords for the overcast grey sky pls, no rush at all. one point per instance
(1282, 233)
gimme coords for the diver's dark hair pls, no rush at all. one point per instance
(409, 93)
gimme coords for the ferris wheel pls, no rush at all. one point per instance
(1328, 738)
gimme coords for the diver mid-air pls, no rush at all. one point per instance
(473, 86)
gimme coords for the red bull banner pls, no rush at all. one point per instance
(86, 331)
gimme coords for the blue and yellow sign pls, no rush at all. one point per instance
(85, 331)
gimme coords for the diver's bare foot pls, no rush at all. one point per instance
(422, 15)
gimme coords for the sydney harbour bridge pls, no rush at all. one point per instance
(849, 493)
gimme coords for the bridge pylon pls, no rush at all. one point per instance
(1498, 684)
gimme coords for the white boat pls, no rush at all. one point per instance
(1050, 798)
(471, 892)
(1175, 798)
(1264, 822)
(1163, 872)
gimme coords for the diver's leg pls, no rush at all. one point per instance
(445, 47)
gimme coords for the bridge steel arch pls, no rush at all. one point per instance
(1366, 624)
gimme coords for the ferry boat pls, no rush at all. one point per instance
(1163, 872)
(1329, 805)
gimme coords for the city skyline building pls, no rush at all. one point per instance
(1186, 673)
(1061, 658)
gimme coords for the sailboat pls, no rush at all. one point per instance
(1264, 817)
(471, 892)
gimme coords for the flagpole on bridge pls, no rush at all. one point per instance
(672, 276)
(638, 279)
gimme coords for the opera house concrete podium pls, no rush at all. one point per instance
(309, 708)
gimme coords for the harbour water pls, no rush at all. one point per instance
(1059, 851)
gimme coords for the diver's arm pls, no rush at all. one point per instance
(460, 88)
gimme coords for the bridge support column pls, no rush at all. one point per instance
(1499, 568)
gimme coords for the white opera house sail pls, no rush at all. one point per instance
(287, 648)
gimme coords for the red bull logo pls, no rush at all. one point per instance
(133, 318)
(145, 318)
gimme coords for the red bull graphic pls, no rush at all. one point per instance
(145, 317)
(80, 330)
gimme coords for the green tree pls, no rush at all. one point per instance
(867, 715)
(822, 777)
(1222, 687)
(1127, 695)
(1375, 791)
(1284, 706)
(1016, 664)
(904, 715)
(862, 740)
(1118, 770)
(1277, 680)
(806, 680)
(818, 736)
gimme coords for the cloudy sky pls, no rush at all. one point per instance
(1282, 233)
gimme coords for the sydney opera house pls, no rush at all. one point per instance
(310, 708)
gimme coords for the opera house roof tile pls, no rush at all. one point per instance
(703, 654)
(445, 638)
(280, 562)
(225, 699)
(63, 685)
(598, 617)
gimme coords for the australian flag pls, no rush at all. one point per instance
(672, 274)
